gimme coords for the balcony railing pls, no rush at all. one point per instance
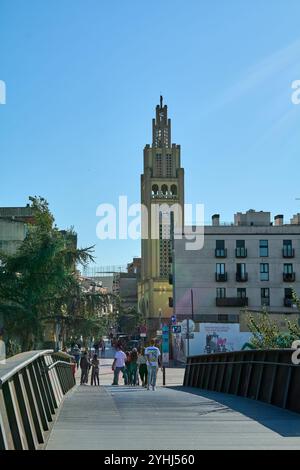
(289, 277)
(241, 252)
(221, 277)
(232, 302)
(221, 252)
(241, 277)
(288, 252)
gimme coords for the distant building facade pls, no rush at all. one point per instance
(14, 223)
(252, 263)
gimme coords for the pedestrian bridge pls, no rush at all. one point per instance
(175, 416)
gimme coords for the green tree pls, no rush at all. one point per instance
(40, 281)
(266, 333)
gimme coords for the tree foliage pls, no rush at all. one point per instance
(39, 282)
(266, 333)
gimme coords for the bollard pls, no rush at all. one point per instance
(164, 375)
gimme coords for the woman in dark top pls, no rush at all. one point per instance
(95, 370)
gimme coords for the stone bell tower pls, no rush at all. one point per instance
(162, 189)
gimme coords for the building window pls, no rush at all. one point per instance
(169, 165)
(164, 250)
(288, 297)
(221, 292)
(240, 250)
(164, 190)
(158, 165)
(154, 190)
(263, 248)
(220, 268)
(221, 276)
(287, 250)
(241, 275)
(220, 251)
(173, 190)
(241, 293)
(264, 272)
(265, 296)
(288, 268)
(288, 273)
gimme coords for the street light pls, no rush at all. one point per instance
(188, 323)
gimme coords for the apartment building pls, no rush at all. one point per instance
(250, 264)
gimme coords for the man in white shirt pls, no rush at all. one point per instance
(118, 364)
(152, 354)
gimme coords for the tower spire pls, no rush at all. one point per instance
(161, 126)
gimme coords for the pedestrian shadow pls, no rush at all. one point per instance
(284, 422)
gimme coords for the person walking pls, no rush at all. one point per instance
(152, 354)
(84, 366)
(96, 348)
(126, 374)
(133, 367)
(119, 365)
(103, 349)
(142, 366)
(75, 352)
(95, 370)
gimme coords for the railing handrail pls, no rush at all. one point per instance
(245, 351)
(69, 364)
(10, 371)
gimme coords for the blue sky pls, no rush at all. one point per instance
(83, 78)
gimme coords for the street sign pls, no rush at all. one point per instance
(159, 332)
(176, 328)
(173, 319)
(143, 335)
(165, 345)
(190, 336)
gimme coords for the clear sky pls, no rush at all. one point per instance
(83, 78)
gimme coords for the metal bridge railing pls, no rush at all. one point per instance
(32, 387)
(265, 375)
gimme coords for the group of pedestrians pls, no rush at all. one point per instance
(86, 363)
(141, 364)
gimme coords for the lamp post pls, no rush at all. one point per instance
(188, 322)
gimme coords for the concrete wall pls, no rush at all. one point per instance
(12, 234)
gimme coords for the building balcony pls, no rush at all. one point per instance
(221, 277)
(232, 302)
(241, 252)
(288, 252)
(289, 277)
(221, 253)
(241, 277)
